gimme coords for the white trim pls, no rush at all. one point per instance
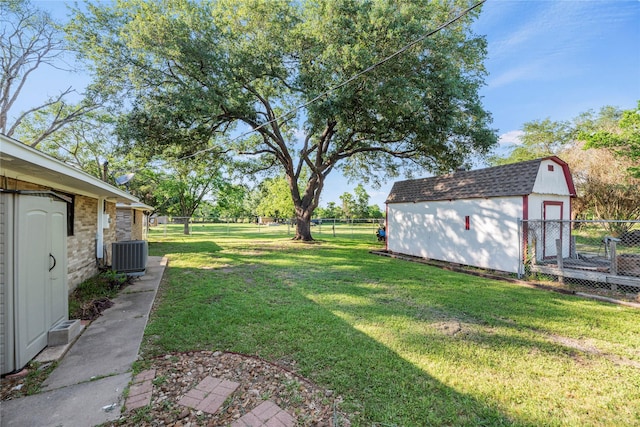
(21, 162)
(135, 206)
(100, 228)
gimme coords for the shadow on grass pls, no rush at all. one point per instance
(380, 332)
(274, 321)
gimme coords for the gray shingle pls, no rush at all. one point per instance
(516, 179)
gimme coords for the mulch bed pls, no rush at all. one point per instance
(259, 380)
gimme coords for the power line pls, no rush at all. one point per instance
(284, 116)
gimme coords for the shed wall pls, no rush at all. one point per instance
(436, 230)
(5, 294)
(81, 247)
(536, 205)
(551, 181)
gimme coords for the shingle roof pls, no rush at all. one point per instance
(516, 179)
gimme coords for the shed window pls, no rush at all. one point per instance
(550, 168)
(467, 222)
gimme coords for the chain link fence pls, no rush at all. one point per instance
(595, 254)
(320, 227)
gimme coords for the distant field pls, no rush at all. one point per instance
(357, 230)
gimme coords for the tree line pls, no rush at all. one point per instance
(602, 149)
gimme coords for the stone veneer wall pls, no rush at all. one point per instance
(123, 224)
(131, 225)
(81, 247)
(137, 229)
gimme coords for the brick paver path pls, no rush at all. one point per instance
(141, 389)
(209, 395)
(267, 414)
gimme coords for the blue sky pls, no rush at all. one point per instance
(552, 59)
(558, 59)
(546, 59)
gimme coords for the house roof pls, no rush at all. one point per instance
(516, 179)
(135, 206)
(21, 162)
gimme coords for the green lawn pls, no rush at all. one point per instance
(403, 343)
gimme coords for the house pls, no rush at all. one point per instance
(132, 221)
(57, 224)
(475, 217)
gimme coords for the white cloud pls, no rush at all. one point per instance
(511, 75)
(510, 138)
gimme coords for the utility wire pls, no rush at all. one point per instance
(285, 116)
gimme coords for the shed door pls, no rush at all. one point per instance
(552, 215)
(41, 285)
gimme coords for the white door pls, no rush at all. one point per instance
(41, 279)
(552, 214)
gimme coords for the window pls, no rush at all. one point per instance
(467, 223)
(550, 168)
(70, 214)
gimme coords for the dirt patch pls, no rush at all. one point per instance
(450, 328)
(92, 309)
(588, 347)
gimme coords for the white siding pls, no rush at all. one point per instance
(436, 230)
(550, 182)
(536, 205)
(551, 232)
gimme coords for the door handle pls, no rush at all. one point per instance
(54, 262)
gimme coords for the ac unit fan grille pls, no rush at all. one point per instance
(129, 257)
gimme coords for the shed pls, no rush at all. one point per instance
(475, 217)
(57, 224)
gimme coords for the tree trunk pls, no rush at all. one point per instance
(303, 225)
(186, 226)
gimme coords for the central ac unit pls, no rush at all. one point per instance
(129, 257)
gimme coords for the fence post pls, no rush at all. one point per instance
(560, 260)
(521, 249)
(614, 262)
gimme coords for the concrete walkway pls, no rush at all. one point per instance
(85, 389)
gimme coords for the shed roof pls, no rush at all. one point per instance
(516, 179)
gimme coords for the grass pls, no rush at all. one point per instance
(30, 384)
(404, 344)
(589, 239)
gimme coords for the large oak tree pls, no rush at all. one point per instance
(228, 67)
